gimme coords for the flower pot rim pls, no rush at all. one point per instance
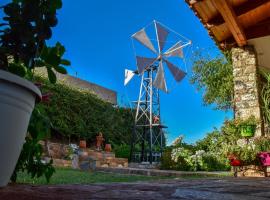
(16, 80)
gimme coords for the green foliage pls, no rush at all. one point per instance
(81, 114)
(26, 26)
(265, 95)
(166, 161)
(215, 78)
(208, 154)
(30, 159)
(122, 151)
(23, 36)
(262, 144)
(251, 121)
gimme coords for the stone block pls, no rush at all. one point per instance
(62, 163)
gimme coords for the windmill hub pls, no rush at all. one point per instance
(159, 58)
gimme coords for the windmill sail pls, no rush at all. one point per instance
(128, 76)
(143, 63)
(176, 50)
(142, 37)
(176, 72)
(162, 35)
(159, 81)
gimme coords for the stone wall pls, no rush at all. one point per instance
(246, 94)
(55, 150)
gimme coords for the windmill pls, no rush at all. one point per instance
(148, 135)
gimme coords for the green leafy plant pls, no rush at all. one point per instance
(215, 78)
(30, 159)
(262, 144)
(122, 151)
(26, 26)
(265, 95)
(77, 114)
(24, 29)
(251, 121)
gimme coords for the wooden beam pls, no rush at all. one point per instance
(259, 30)
(230, 18)
(241, 9)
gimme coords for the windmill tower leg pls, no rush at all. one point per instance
(146, 132)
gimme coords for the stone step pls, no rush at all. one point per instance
(113, 162)
(100, 154)
(156, 172)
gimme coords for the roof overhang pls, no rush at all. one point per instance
(233, 22)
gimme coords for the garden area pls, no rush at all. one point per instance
(55, 137)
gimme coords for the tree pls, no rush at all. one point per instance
(215, 78)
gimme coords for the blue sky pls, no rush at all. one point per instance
(97, 34)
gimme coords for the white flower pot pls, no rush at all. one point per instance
(17, 101)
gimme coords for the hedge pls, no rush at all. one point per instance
(81, 114)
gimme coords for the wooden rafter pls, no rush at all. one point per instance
(259, 30)
(229, 16)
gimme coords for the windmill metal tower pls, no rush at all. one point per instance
(148, 136)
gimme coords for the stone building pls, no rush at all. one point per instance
(74, 82)
(243, 27)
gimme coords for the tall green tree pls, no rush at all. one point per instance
(215, 78)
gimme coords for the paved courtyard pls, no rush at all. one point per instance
(226, 188)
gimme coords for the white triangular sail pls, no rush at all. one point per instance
(162, 35)
(160, 81)
(128, 76)
(176, 72)
(175, 51)
(142, 37)
(143, 63)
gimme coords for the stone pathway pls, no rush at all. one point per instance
(199, 189)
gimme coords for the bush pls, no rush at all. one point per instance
(166, 159)
(81, 114)
(214, 163)
(122, 151)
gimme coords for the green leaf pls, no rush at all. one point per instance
(60, 69)
(60, 49)
(65, 62)
(51, 75)
(18, 69)
(44, 52)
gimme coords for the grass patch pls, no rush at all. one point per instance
(71, 176)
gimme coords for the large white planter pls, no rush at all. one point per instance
(17, 101)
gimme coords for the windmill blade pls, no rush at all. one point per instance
(175, 51)
(142, 37)
(128, 76)
(162, 35)
(143, 63)
(177, 73)
(160, 81)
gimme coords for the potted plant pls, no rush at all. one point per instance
(263, 149)
(82, 144)
(108, 148)
(248, 127)
(26, 27)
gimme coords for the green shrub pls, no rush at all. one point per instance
(122, 151)
(212, 162)
(166, 160)
(81, 114)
